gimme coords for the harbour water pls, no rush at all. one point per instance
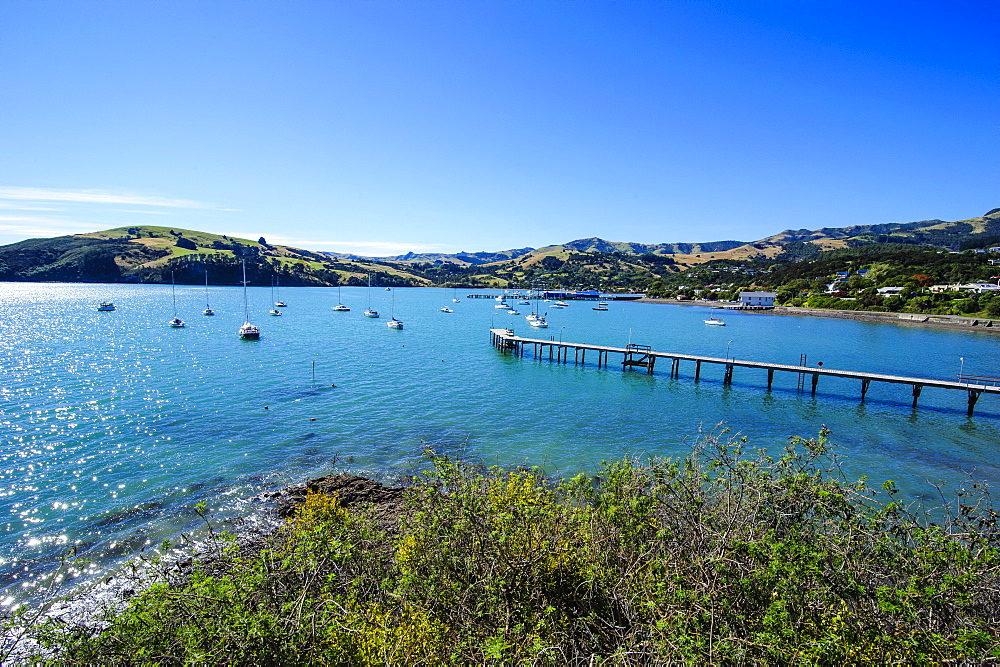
(113, 425)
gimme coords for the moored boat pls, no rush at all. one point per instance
(340, 307)
(247, 331)
(106, 307)
(370, 312)
(208, 309)
(176, 323)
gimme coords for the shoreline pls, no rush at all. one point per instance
(963, 322)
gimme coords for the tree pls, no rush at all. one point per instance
(262, 241)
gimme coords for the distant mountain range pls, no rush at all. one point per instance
(152, 254)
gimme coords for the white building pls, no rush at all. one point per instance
(979, 288)
(757, 299)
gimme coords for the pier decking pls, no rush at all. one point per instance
(641, 356)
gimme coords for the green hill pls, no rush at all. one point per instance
(150, 254)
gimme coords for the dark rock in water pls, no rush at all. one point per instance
(350, 489)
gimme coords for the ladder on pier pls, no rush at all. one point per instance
(639, 355)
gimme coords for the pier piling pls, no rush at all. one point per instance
(642, 356)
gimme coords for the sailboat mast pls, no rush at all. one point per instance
(246, 308)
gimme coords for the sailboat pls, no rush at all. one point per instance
(370, 312)
(247, 331)
(454, 298)
(536, 320)
(279, 303)
(340, 307)
(176, 323)
(393, 323)
(274, 312)
(208, 309)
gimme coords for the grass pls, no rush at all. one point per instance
(725, 556)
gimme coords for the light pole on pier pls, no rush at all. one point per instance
(961, 369)
(560, 334)
(727, 349)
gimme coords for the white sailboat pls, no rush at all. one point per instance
(208, 309)
(340, 307)
(274, 312)
(454, 298)
(535, 319)
(247, 331)
(176, 323)
(393, 323)
(278, 303)
(370, 312)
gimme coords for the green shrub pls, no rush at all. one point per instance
(722, 556)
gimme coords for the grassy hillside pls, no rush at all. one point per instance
(150, 254)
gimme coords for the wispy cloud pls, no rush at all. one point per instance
(145, 212)
(17, 207)
(97, 197)
(39, 226)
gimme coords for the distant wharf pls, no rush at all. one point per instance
(641, 356)
(564, 296)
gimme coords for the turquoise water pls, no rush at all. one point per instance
(114, 425)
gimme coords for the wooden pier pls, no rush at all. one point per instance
(641, 356)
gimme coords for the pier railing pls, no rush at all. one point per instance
(641, 356)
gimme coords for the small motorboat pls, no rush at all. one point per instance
(446, 309)
(524, 303)
(106, 307)
(513, 312)
(601, 306)
(715, 321)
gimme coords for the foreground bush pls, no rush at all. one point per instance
(722, 556)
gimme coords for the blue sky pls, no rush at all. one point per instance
(379, 127)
